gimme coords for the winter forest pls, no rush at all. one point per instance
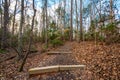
(59, 39)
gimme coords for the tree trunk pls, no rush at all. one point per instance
(81, 29)
(43, 27)
(1, 22)
(76, 20)
(91, 13)
(1, 17)
(13, 23)
(64, 17)
(71, 22)
(20, 44)
(5, 27)
(30, 40)
(46, 36)
(111, 12)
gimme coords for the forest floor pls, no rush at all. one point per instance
(102, 63)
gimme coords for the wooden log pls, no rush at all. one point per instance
(41, 70)
(57, 68)
(58, 52)
(71, 67)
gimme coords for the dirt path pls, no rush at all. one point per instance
(102, 63)
(67, 59)
(9, 69)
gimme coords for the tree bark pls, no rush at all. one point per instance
(64, 13)
(71, 22)
(5, 27)
(1, 17)
(46, 14)
(81, 29)
(20, 44)
(111, 12)
(1, 22)
(77, 20)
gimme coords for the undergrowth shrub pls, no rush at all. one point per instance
(56, 42)
(14, 42)
(67, 33)
(112, 34)
(101, 38)
(2, 51)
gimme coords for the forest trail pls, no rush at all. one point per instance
(60, 59)
(32, 33)
(98, 60)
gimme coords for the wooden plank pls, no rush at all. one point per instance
(71, 67)
(41, 70)
(49, 69)
(58, 52)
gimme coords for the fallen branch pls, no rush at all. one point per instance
(32, 51)
(8, 58)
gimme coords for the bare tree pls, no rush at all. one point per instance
(5, 27)
(111, 11)
(1, 17)
(46, 18)
(30, 38)
(76, 18)
(20, 31)
(13, 25)
(64, 17)
(81, 29)
(71, 22)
